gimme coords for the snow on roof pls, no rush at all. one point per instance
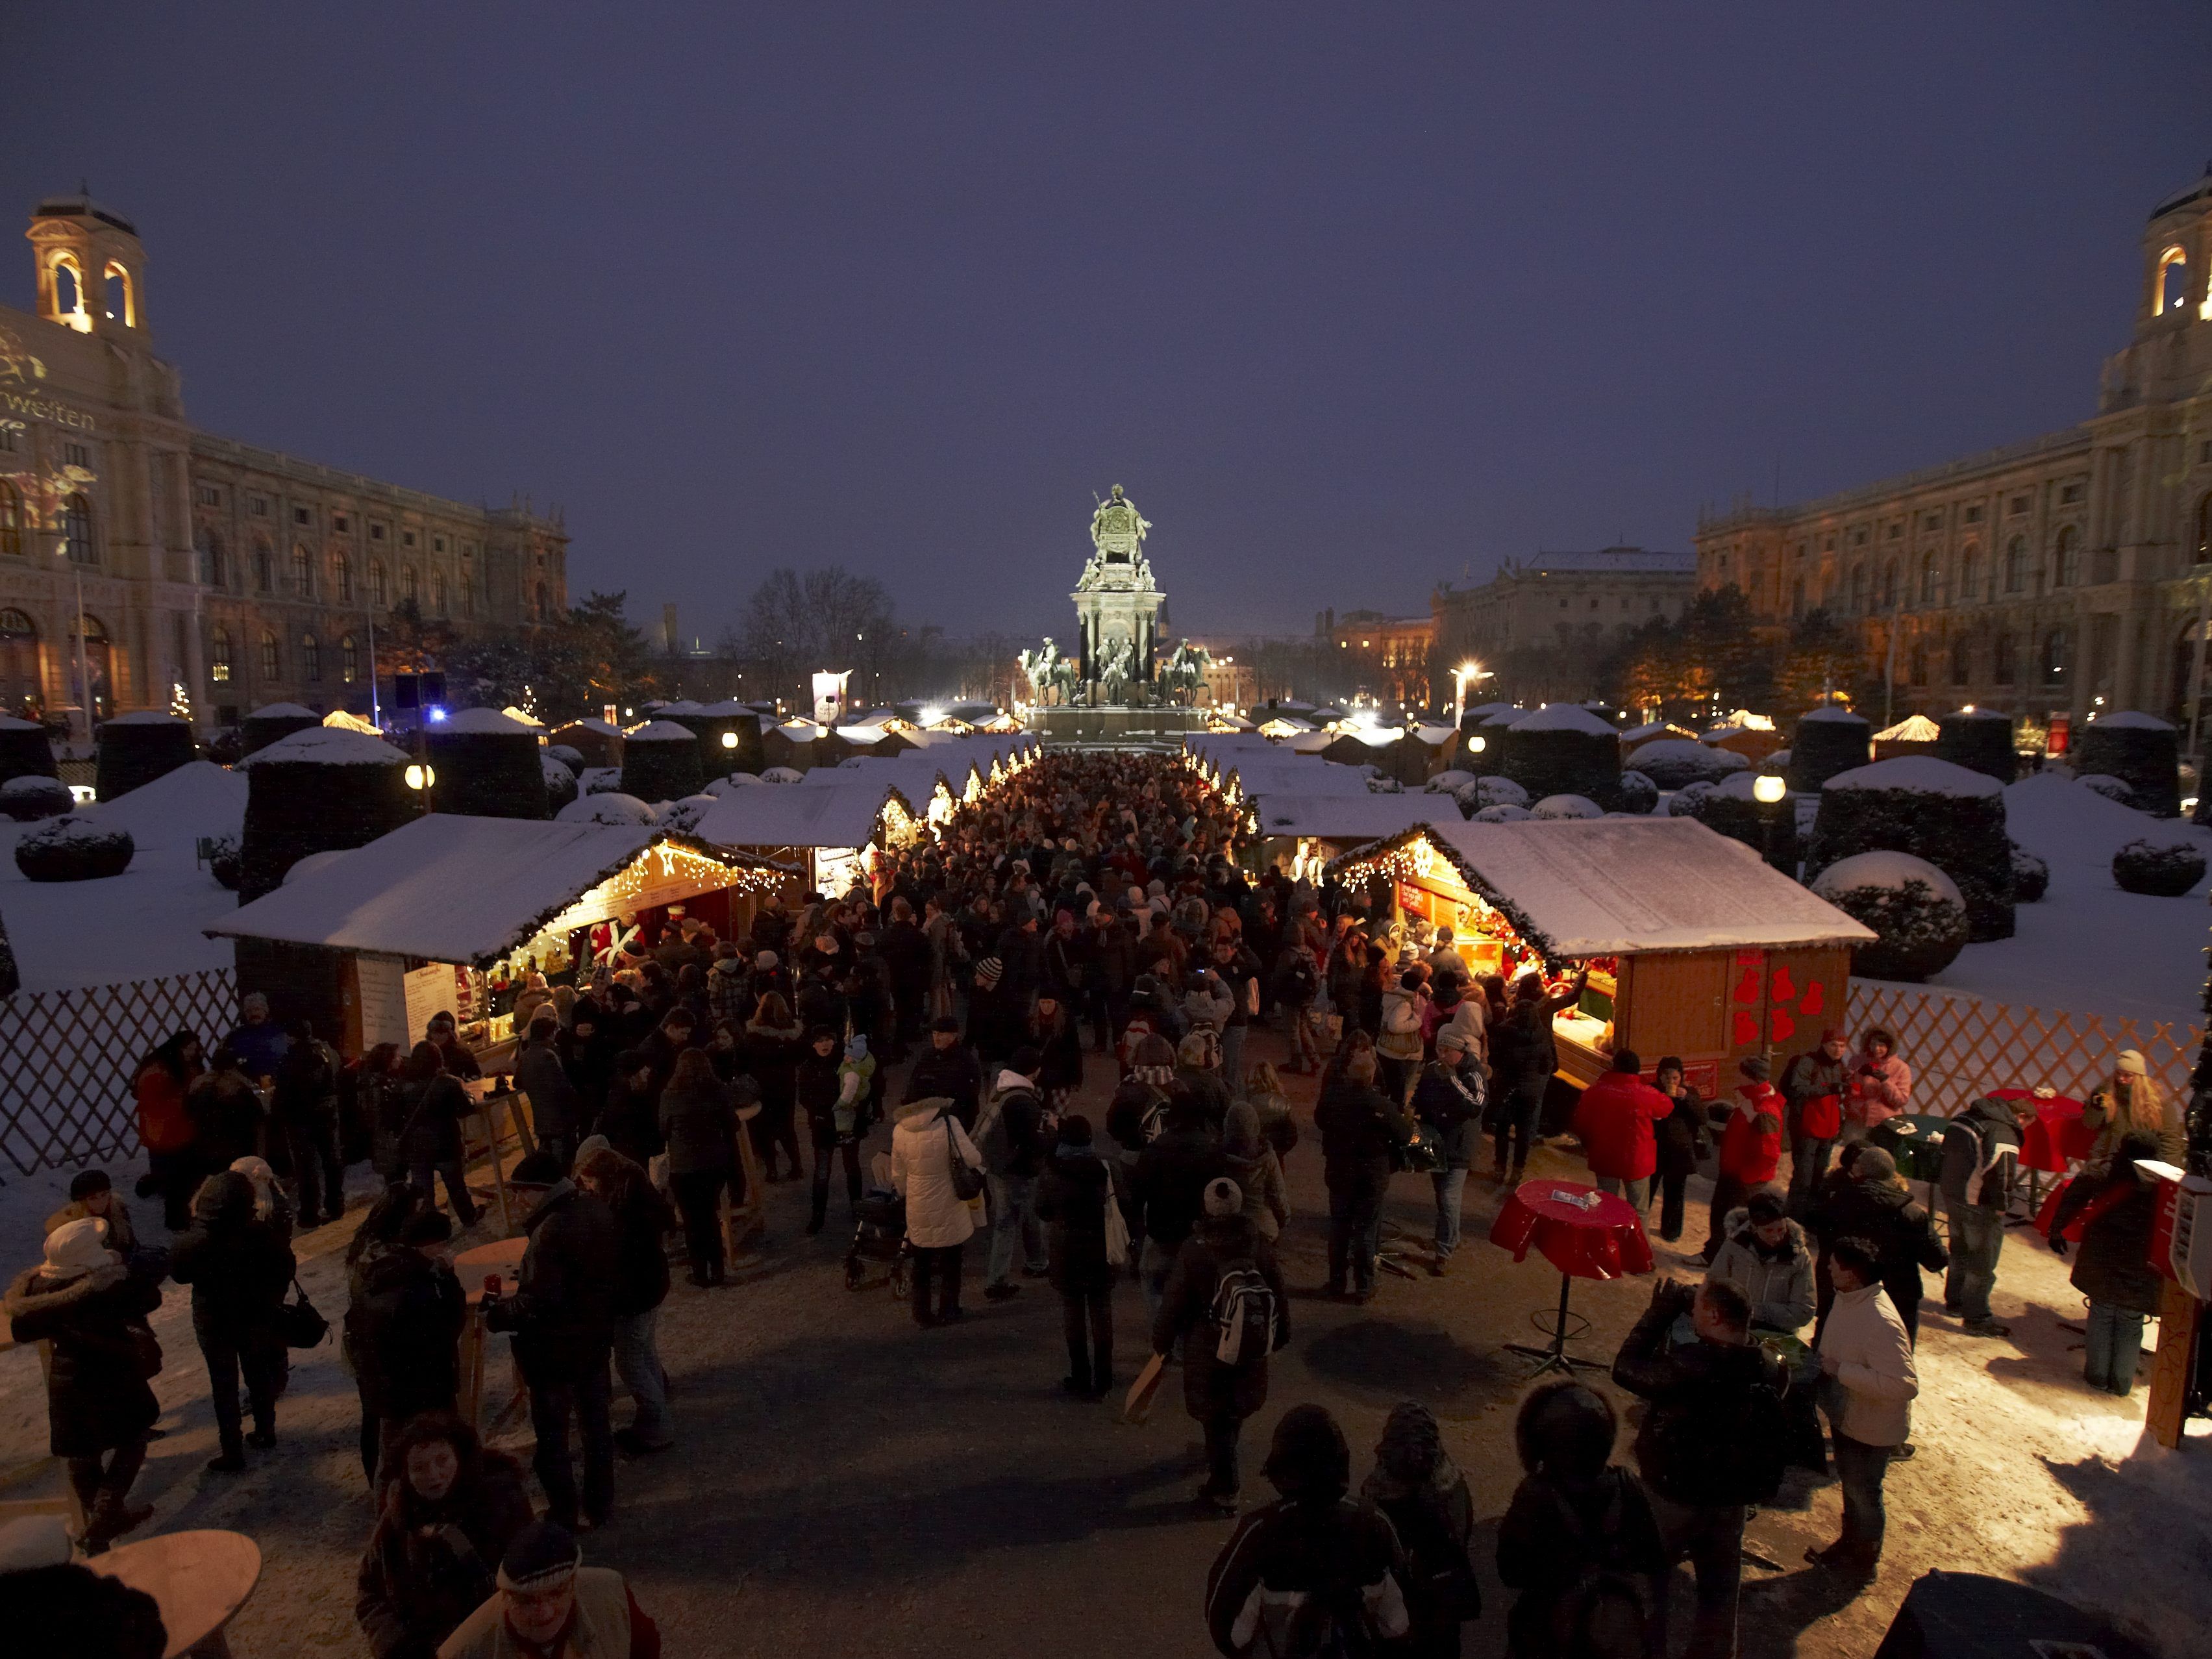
(1889, 869)
(1564, 717)
(1655, 729)
(476, 721)
(328, 745)
(1913, 728)
(1830, 711)
(729, 708)
(604, 728)
(813, 812)
(283, 711)
(146, 717)
(1483, 711)
(1348, 819)
(9, 723)
(663, 732)
(2131, 720)
(1591, 887)
(606, 806)
(1661, 749)
(1507, 716)
(681, 706)
(446, 888)
(1309, 742)
(1922, 772)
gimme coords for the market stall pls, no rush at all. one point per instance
(1693, 946)
(834, 828)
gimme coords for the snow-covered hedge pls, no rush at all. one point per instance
(1562, 749)
(1448, 783)
(607, 809)
(1979, 739)
(2110, 788)
(136, 748)
(1829, 740)
(1635, 793)
(1677, 762)
(1916, 908)
(1488, 722)
(318, 790)
(1502, 814)
(222, 860)
(568, 755)
(731, 784)
(1566, 806)
(1729, 808)
(2142, 751)
(226, 748)
(273, 722)
(684, 815)
(73, 848)
(1685, 802)
(660, 761)
(488, 765)
(560, 782)
(782, 774)
(2031, 876)
(26, 750)
(31, 797)
(2160, 869)
(1915, 804)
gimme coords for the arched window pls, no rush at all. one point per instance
(2004, 660)
(311, 659)
(1928, 579)
(2204, 530)
(1889, 588)
(437, 593)
(2067, 565)
(21, 690)
(2015, 565)
(341, 579)
(97, 661)
(265, 575)
(410, 584)
(348, 660)
(303, 582)
(468, 589)
(11, 520)
(379, 594)
(1917, 664)
(219, 656)
(2172, 280)
(1862, 590)
(69, 291)
(544, 605)
(1969, 575)
(212, 573)
(122, 303)
(76, 529)
(1962, 662)
(2055, 649)
(273, 660)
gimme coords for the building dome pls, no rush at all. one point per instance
(82, 206)
(2199, 191)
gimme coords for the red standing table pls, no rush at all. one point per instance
(1585, 1234)
(2052, 1137)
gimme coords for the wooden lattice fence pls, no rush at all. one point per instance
(67, 1059)
(1961, 1046)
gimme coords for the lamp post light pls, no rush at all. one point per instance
(1770, 792)
(1461, 676)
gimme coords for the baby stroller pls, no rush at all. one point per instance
(881, 1234)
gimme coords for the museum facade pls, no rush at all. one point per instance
(235, 575)
(2049, 579)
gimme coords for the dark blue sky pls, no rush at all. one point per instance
(1351, 299)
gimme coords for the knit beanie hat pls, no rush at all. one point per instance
(2130, 1063)
(1223, 1197)
(85, 1183)
(1309, 1458)
(543, 1555)
(1075, 1130)
(1754, 1067)
(75, 1248)
(765, 961)
(1874, 1166)
(1766, 1204)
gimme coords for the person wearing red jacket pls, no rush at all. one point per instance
(1614, 1121)
(1751, 1148)
(1812, 1088)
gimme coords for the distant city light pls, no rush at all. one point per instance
(436, 714)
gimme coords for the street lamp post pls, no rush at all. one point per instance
(1461, 676)
(1769, 791)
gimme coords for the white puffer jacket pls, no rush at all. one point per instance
(921, 1172)
(1871, 1396)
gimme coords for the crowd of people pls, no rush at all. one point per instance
(1088, 920)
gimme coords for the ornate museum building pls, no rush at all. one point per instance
(2053, 577)
(239, 575)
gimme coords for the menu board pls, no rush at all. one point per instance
(429, 991)
(380, 984)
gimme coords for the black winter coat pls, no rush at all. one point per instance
(1522, 1053)
(699, 1123)
(96, 1397)
(556, 1107)
(563, 1313)
(817, 1085)
(1683, 1135)
(769, 1054)
(1554, 1537)
(631, 1121)
(1072, 1199)
(227, 1119)
(1887, 1216)
(428, 1567)
(2113, 1265)
(1170, 1180)
(643, 1217)
(955, 1075)
(1359, 1127)
(430, 1113)
(238, 1270)
(1699, 1393)
(1186, 1310)
(403, 1331)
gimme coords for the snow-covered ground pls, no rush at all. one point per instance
(2086, 947)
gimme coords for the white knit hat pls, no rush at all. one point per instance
(2130, 1063)
(77, 1247)
(1223, 1197)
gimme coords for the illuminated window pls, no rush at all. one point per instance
(122, 303)
(2172, 280)
(311, 658)
(379, 594)
(68, 293)
(1928, 579)
(219, 657)
(76, 529)
(2067, 567)
(212, 569)
(271, 658)
(11, 519)
(303, 585)
(348, 660)
(21, 689)
(341, 579)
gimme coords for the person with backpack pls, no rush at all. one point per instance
(1225, 1294)
(1981, 1151)
(1422, 1494)
(1360, 1126)
(1313, 1573)
(1868, 1387)
(1170, 1185)
(1578, 1540)
(1715, 1439)
(1013, 1137)
(1076, 1198)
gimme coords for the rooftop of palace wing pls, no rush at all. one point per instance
(1592, 887)
(445, 888)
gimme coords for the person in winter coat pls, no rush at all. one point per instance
(403, 1329)
(699, 1123)
(1221, 1390)
(1751, 1149)
(1073, 1194)
(2132, 1103)
(1314, 1572)
(227, 1115)
(642, 1220)
(1398, 1045)
(1814, 1086)
(1360, 1126)
(1449, 1100)
(630, 1120)
(1523, 1057)
(92, 1194)
(1579, 1539)
(1058, 1040)
(433, 1103)
(561, 1316)
(925, 1139)
(238, 1270)
(768, 1051)
(1981, 1153)
(2112, 1268)
(1256, 1171)
(1425, 1498)
(87, 1301)
(1615, 1120)
(1878, 1086)
(1767, 1258)
(1015, 1139)
(446, 1511)
(1263, 1089)
(820, 1084)
(161, 1087)
(1169, 1186)
(730, 996)
(303, 1125)
(1868, 1386)
(1685, 1139)
(948, 1070)
(556, 1111)
(257, 1040)
(1864, 1198)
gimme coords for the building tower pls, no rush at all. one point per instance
(2171, 357)
(91, 269)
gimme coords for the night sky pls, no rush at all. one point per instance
(1353, 300)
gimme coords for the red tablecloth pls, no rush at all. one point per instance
(1604, 1240)
(2051, 1132)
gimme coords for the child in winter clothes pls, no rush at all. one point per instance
(1751, 1149)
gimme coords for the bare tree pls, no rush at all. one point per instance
(798, 623)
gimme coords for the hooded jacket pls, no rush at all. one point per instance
(1878, 1089)
(1981, 1150)
(2113, 1265)
(1776, 1279)
(1615, 1120)
(428, 1565)
(1812, 1088)
(1169, 1182)
(1751, 1142)
(97, 1398)
(238, 1266)
(1012, 1141)
(563, 1313)
(556, 1107)
(1071, 1199)
(1886, 1215)
(1217, 1244)
(403, 1331)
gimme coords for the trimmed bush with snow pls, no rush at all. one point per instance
(599, 781)
(488, 766)
(2142, 751)
(568, 755)
(1503, 815)
(321, 788)
(134, 750)
(560, 782)
(1830, 739)
(2111, 788)
(1917, 804)
(1685, 802)
(1678, 763)
(1729, 808)
(2159, 869)
(1979, 739)
(26, 750)
(1448, 783)
(31, 797)
(684, 815)
(782, 774)
(1499, 792)
(1637, 794)
(607, 808)
(2031, 876)
(222, 860)
(1562, 749)
(73, 848)
(1916, 909)
(660, 761)
(731, 784)
(1566, 806)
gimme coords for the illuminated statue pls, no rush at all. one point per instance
(1116, 603)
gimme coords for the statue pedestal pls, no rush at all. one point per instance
(1114, 723)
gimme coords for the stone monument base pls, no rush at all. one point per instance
(1113, 723)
